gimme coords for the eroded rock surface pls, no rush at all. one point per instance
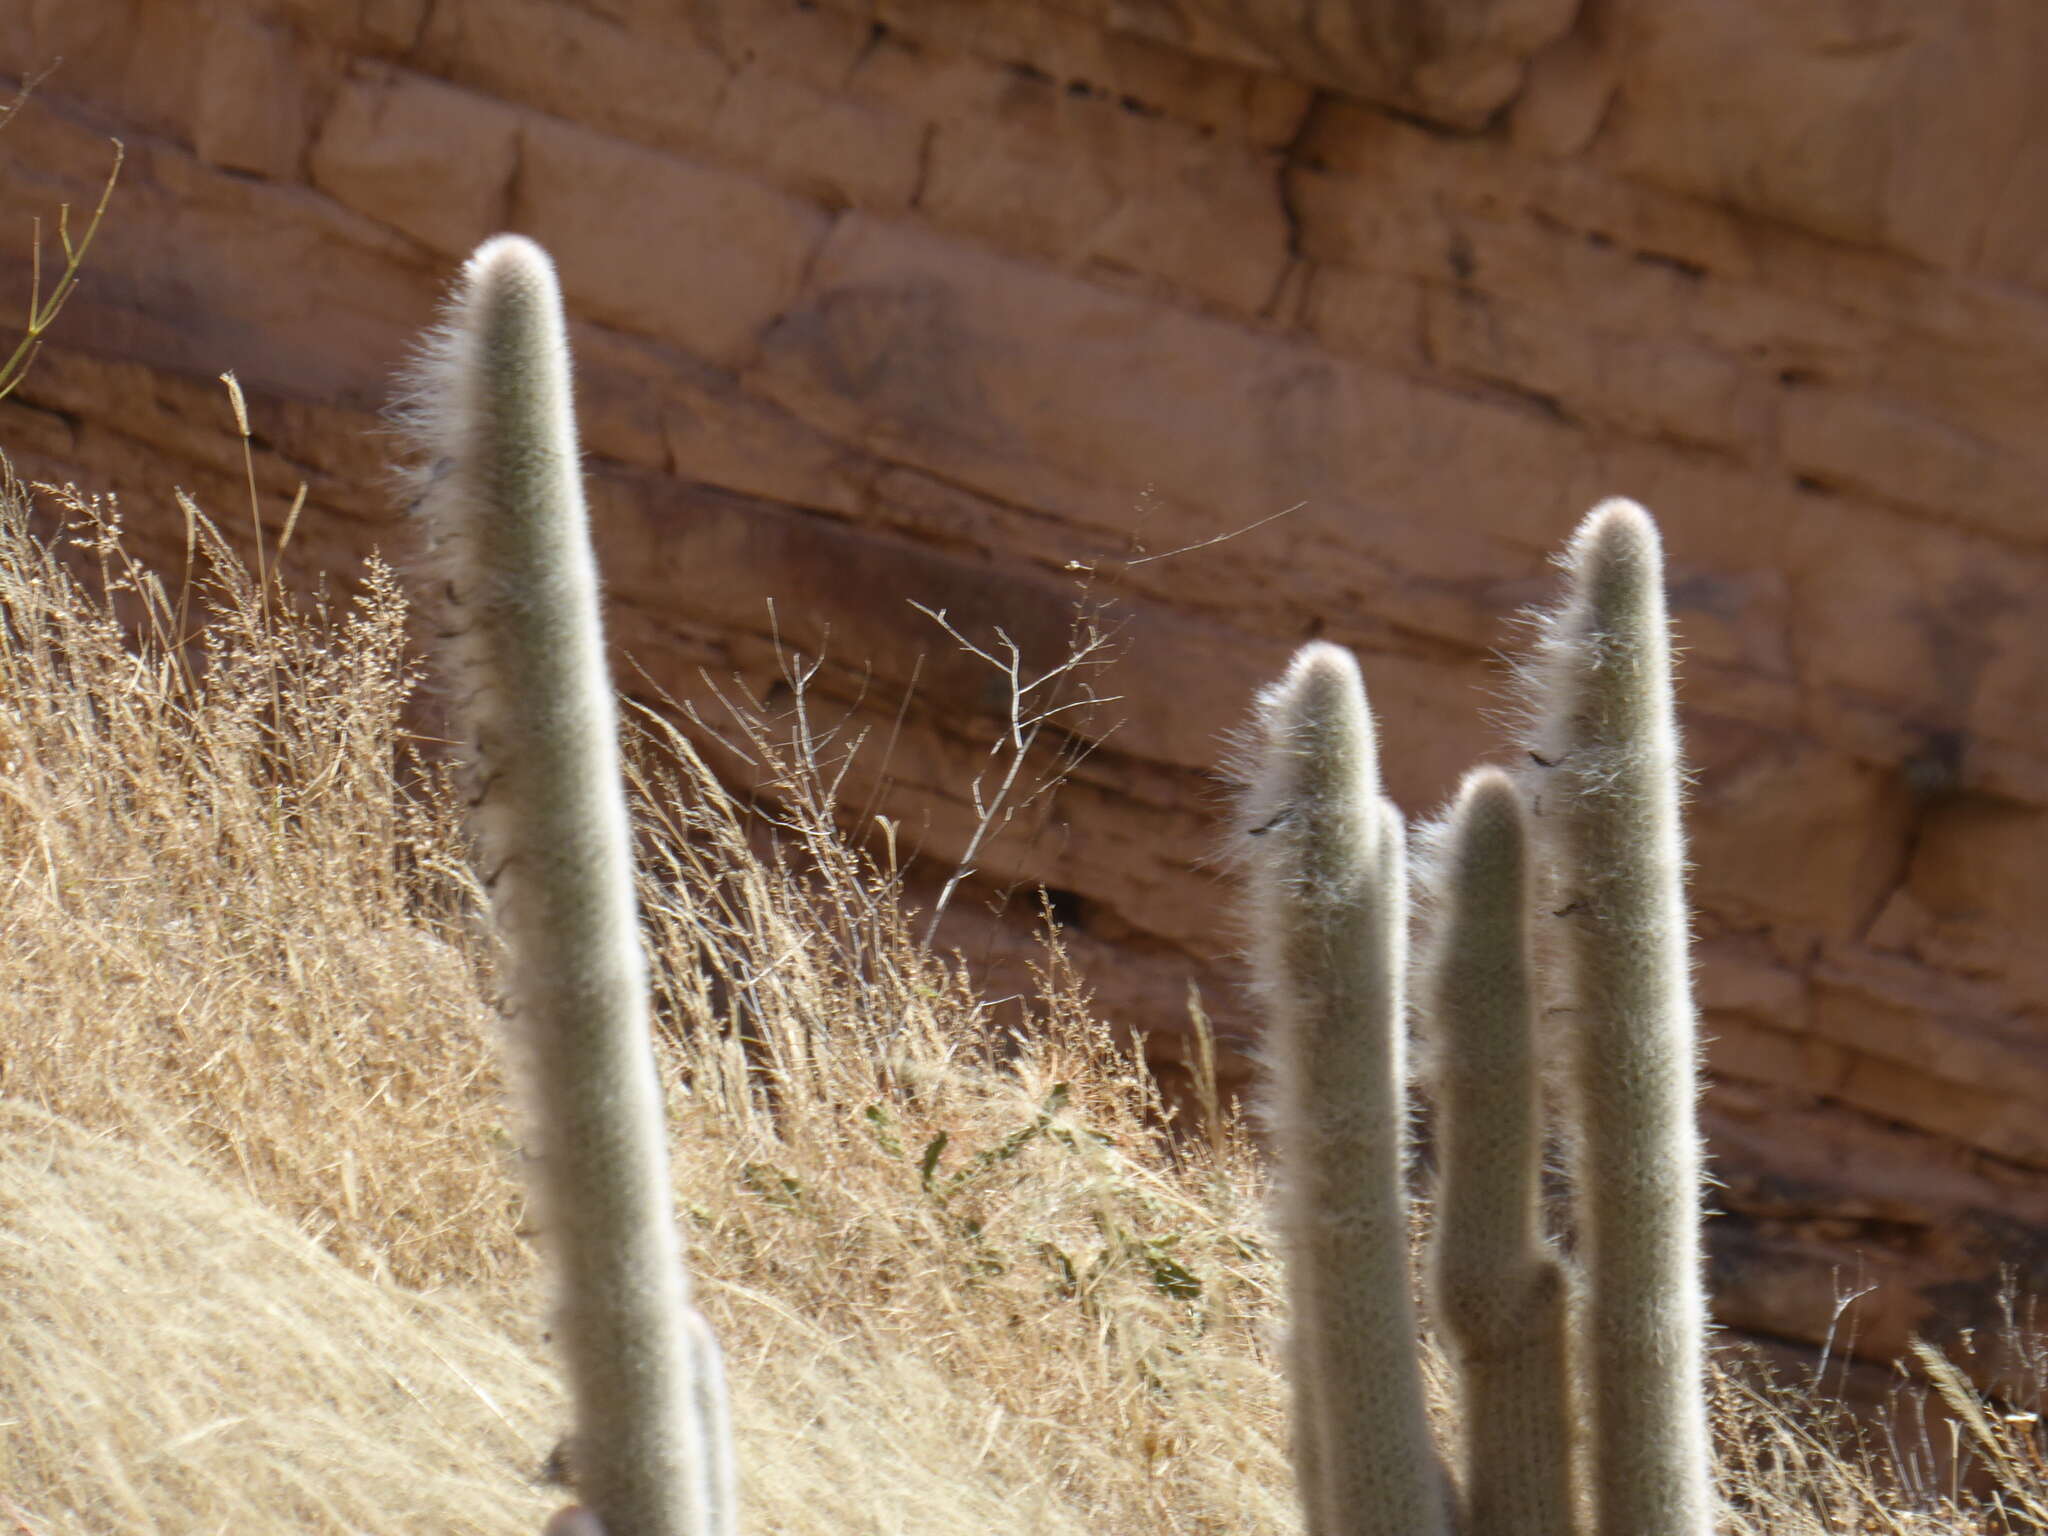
(986, 304)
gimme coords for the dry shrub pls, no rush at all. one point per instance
(261, 1263)
(965, 1279)
(234, 906)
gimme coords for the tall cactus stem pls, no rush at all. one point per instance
(1328, 913)
(1500, 1289)
(1606, 740)
(503, 502)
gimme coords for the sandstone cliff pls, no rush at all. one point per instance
(981, 303)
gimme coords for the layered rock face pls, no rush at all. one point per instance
(1007, 307)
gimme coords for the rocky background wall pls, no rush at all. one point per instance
(990, 304)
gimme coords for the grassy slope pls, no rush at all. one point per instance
(261, 1257)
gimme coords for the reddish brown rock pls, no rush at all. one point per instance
(425, 158)
(1009, 308)
(250, 110)
(660, 246)
(1458, 62)
(1818, 114)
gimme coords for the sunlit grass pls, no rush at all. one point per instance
(262, 1254)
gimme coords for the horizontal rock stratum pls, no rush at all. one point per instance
(986, 305)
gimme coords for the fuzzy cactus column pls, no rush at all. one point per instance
(1329, 923)
(1606, 780)
(1500, 1289)
(502, 497)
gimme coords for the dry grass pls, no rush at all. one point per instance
(261, 1258)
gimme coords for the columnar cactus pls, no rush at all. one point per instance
(1605, 744)
(1330, 925)
(1500, 1289)
(1582, 1399)
(502, 498)
(1539, 1357)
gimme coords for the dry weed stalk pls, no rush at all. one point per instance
(44, 306)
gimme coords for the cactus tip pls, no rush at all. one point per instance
(1616, 556)
(1318, 731)
(1488, 802)
(508, 261)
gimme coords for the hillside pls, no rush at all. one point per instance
(986, 304)
(263, 1255)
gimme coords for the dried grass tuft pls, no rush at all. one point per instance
(261, 1253)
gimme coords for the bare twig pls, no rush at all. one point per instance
(42, 311)
(1034, 700)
